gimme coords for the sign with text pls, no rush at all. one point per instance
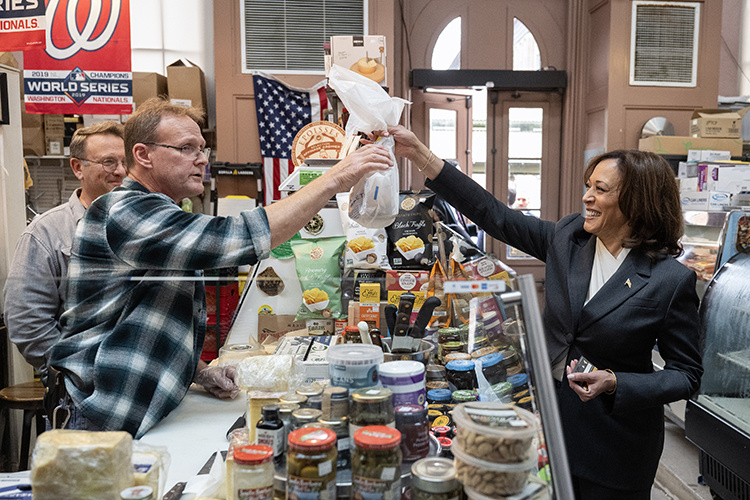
(85, 67)
(22, 24)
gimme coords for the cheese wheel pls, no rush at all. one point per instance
(367, 66)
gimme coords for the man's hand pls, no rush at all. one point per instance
(364, 161)
(218, 380)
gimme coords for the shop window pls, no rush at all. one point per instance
(288, 36)
(525, 49)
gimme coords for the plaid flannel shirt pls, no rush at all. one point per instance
(136, 311)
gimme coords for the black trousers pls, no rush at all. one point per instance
(587, 490)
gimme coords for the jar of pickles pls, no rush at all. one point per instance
(371, 406)
(311, 464)
(341, 428)
(252, 475)
(434, 478)
(376, 463)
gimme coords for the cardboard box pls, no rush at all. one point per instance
(720, 123)
(32, 129)
(148, 85)
(272, 327)
(311, 352)
(680, 145)
(362, 54)
(705, 200)
(732, 178)
(400, 282)
(187, 84)
(54, 126)
(708, 155)
(687, 169)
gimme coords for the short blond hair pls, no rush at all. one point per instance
(78, 142)
(142, 126)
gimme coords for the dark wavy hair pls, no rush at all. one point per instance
(650, 200)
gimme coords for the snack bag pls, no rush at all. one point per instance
(366, 248)
(374, 199)
(410, 235)
(317, 263)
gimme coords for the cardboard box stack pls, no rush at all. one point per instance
(187, 84)
(54, 134)
(147, 85)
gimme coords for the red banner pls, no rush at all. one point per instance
(21, 25)
(85, 68)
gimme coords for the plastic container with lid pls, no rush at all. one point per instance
(252, 474)
(305, 416)
(137, 493)
(311, 464)
(492, 368)
(492, 479)
(371, 406)
(461, 375)
(495, 432)
(412, 423)
(231, 354)
(376, 463)
(406, 380)
(354, 366)
(314, 394)
(437, 396)
(434, 478)
(519, 381)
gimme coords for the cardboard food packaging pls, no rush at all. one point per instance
(680, 145)
(187, 84)
(363, 54)
(718, 123)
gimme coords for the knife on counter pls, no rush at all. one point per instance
(401, 341)
(423, 318)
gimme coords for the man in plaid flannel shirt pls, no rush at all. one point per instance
(136, 312)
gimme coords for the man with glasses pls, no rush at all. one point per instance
(35, 289)
(136, 313)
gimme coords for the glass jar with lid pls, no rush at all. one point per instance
(371, 406)
(285, 413)
(376, 463)
(492, 368)
(461, 375)
(412, 423)
(311, 464)
(450, 347)
(252, 475)
(434, 478)
(448, 334)
(465, 396)
(439, 396)
(512, 361)
(341, 428)
(314, 394)
(304, 416)
(294, 398)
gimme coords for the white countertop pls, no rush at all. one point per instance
(195, 430)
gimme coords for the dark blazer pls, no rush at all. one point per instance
(616, 440)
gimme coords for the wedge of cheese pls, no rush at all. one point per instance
(82, 465)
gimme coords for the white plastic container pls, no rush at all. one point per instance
(406, 380)
(354, 366)
(482, 435)
(491, 479)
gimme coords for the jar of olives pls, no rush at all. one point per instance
(461, 375)
(311, 464)
(371, 406)
(434, 478)
(376, 463)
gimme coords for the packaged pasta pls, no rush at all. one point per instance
(410, 235)
(317, 263)
(366, 248)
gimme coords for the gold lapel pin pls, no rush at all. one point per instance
(628, 283)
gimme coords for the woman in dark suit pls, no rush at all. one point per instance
(613, 290)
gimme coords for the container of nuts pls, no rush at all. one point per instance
(489, 478)
(495, 432)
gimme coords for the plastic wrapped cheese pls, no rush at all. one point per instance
(82, 465)
(150, 464)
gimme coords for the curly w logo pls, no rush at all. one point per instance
(63, 42)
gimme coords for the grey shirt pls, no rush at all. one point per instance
(35, 290)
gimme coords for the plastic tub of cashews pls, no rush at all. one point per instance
(495, 432)
(492, 479)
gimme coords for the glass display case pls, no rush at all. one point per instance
(718, 418)
(701, 244)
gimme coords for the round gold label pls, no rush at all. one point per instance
(316, 253)
(317, 140)
(371, 258)
(327, 313)
(315, 226)
(408, 204)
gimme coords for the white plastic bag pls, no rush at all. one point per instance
(373, 201)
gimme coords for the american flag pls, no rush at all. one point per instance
(282, 112)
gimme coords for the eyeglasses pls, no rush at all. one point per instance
(108, 164)
(187, 150)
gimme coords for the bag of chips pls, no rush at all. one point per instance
(410, 235)
(366, 248)
(319, 273)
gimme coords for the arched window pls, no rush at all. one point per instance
(447, 51)
(525, 49)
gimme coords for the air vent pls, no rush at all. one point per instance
(664, 43)
(287, 36)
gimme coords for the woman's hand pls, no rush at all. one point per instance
(592, 384)
(411, 148)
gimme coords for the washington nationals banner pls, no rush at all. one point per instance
(22, 24)
(282, 112)
(85, 67)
